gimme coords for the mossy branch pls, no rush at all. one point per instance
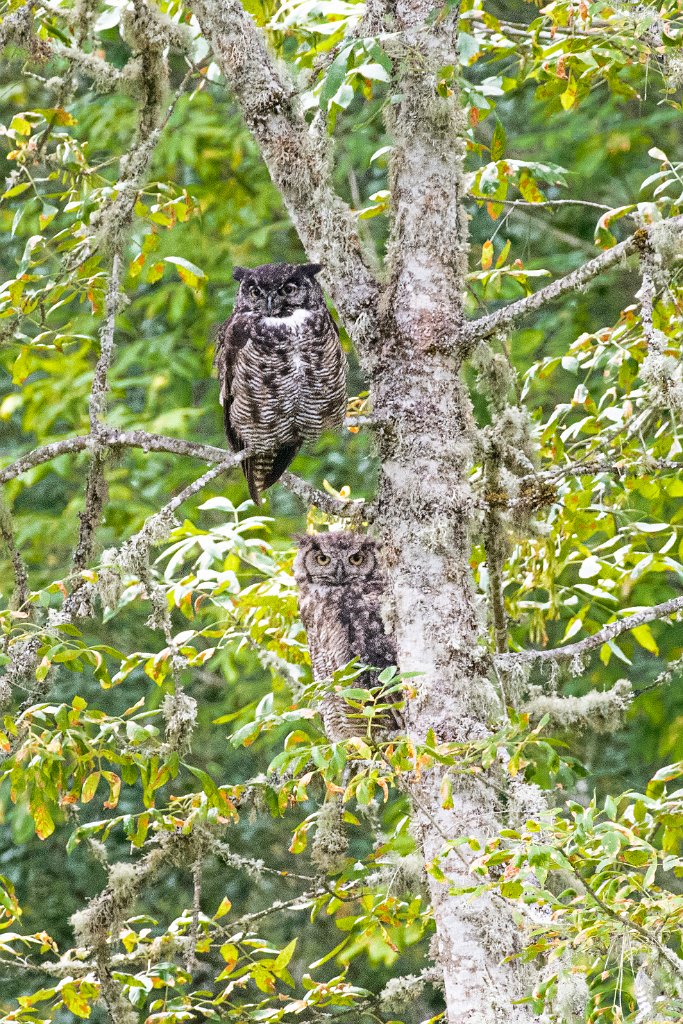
(591, 643)
(509, 316)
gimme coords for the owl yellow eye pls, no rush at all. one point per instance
(289, 289)
(322, 559)
(356, 559)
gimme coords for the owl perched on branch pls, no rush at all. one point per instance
(340, 591)
(281, 369)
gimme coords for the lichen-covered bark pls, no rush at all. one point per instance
(425, 510)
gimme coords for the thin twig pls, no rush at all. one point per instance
(539, 206)
(345, 508)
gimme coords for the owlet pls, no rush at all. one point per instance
(340, 591)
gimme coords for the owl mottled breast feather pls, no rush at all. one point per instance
(281, 368)
(340, 593)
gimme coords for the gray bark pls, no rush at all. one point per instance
(424, 515)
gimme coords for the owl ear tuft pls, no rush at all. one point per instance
(239, 273)
(312, 268)
(305, 539)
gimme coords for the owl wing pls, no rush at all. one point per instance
(375, 647)
(231, 338)
(328, 638)
(260, 470)
(328, 646)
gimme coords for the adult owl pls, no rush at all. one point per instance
(281, 368)
(340, 591)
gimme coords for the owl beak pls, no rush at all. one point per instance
(269, 303)
(339, 574)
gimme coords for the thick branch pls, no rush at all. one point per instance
(96, 485)
(16, 27)
(590, 643)
(105, 76)
(108, 437)
(298, 159)
(508, 316)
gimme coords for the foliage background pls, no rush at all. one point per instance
(162, 382)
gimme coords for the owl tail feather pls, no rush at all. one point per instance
(262, 471)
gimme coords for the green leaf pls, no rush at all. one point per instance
(335, 75)
(375, 72)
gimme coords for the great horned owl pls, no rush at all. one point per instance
(281, 368)
(340, 590)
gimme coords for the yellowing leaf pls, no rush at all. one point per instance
(20, 367)
(188, 272)
(643, 635)
(498, 142)
(57, 115)
(20, 125)
(90, 787)
(137, 265)
(568, 97)
(223, 909)
(42, 819)
(16, 190)
(299, 841)
(155, 272)
(504, 253)
(75, 1001)
(47, 215)
(529, 189)
(230, 955)
(487, 255)
(114, 789)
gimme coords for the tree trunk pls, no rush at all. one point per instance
(425, 513)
